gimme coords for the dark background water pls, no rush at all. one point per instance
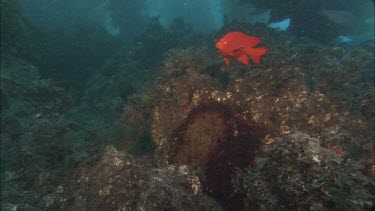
(79, 35)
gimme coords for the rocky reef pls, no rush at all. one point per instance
(182, 131)
(36, 139)
(127, 183)
(222, 122)
(296, 171)
(218, 126)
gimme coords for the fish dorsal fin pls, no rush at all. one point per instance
(252, 41)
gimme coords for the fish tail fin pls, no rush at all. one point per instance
(256, 53)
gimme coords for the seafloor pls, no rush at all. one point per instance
(165, 125)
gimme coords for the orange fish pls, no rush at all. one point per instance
(239, 45)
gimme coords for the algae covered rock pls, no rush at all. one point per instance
(296, 172)
(118, 181)
(222, 127)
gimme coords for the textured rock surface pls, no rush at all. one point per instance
(117, 181)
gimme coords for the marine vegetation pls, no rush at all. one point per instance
(296, 172)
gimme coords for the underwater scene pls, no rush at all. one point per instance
(187, 105)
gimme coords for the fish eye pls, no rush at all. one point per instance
(225, 42)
